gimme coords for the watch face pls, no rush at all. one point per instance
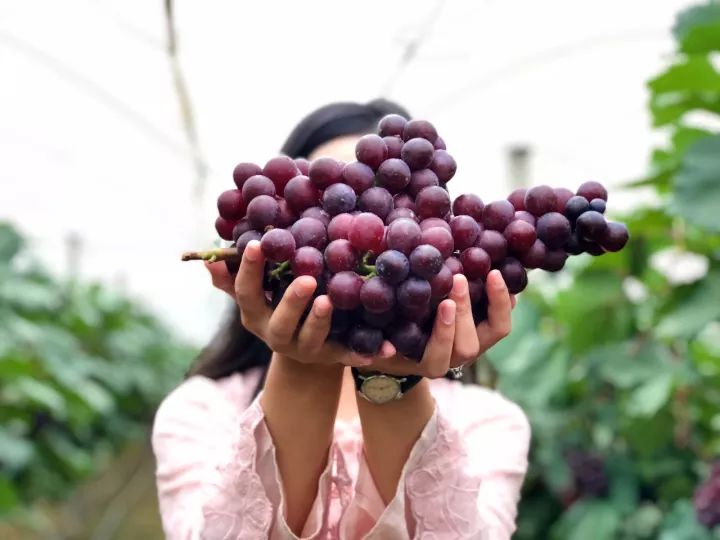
(380, 389)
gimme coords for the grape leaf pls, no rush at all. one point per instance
(598, 520)
(696, 195)
(694, 312)
(10, 242)
(648, 398)
(688, 75)
(697, 29)
(682, 524)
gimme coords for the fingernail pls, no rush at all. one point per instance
(461, 284)
(364, 360)
(447, 312)
(321, 309)
(302, 291)
(252, 250)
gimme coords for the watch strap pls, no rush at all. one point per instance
(406, 381)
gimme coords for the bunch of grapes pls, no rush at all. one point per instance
(707, 499)
(588, 473)
(383, 239)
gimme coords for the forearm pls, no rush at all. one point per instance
(300, 403)
(390, 432)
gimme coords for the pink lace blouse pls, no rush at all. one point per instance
(217, 477)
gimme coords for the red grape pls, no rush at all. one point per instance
(432, 201)
(468, 205)
(358, 176)
(280, 170)
(364, 339)
(403, 200)
(520, 235)
(465, 231)
(263, 211)
(391, 124)
(540, 200)
(240, 227)
(307, 261)
(257, 185)
(392, 266)
(429, 223)
(615, 236)
(517, 198)
(245, 238)
(278, 245)
(419, 128)
(419, 315)
(377, 295)
(224, 228)
(535, 256)
(394, 175)
(366, 232)
(376, 200)
(398, 213)
(243, 171)
(379, 320)
(286, 216)
(425, 261)
(231, 205)
(591, 225)
(340, 256)
(339, 226)
(344, 290)
(303, 165)
(409, 340)
(475, 262)
(524, 215)
(394, 146)
(414, 293)
(563, 195)
(441, 284)
(513, 274)
(309, 232)
(497, 215)
(593, 190)
(420, 180)
(439, 144)
(493, 243)
(339, 199)
(443, 164)
(324, 172)
(476, 290)
(371, 150)
(553, 229)
(317, 213)
(301, 193)
(454, 264)
(440, 238)
(417, 153)
(403, 235)
(554, 260)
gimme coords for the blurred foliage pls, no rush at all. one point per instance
(81, 373)
(619, 358)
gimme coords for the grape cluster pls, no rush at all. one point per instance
(707, 499)
(588, 473)
(383, 238)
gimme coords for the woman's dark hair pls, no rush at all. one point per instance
(234, 349)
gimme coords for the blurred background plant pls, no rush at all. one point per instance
(617, 360)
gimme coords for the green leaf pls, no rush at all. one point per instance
(596, 520)
(691, 74)
(681, 524)
(697, 184)
(684, 136)
(15, 452)
(10, 242)
(8, 495)
(626, 365)
(697, 29)
(694, 312)
(648, 398)
(670, 107)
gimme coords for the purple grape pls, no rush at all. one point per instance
(339, 227)
(403, 235)
(364, 339)
(403, 200)
(598, 205)
(562, 196)
(575, 207)
(494, 244)
(553, 229)
(425, 261)
(231, 205)
(339, 199)
(340, 323)
(340, 256)
(591, 225)
(257, 185)
(286, 216)
(301, 193)
(379, 320)
(454, 264)
(414, 292)
(554, 260)
(409, 340)
(394, 146)
(419, 315)
(394, 175)
(615, 236)
(317, 213)
(324, 172)
(443, 164)
(280, 170)
(367, 232)
(243, 171)
(417, 153)
(303, 165)
(371, 150)
(441, 284)
(497, 215)
(429, 223)
(419, 128)
(358, 176)
(391, 124)
(376, 200)
(393, 266)
(526, 216)
(475, 262)
(278, 245)
(309, 232)
(344, 290)
(575, 245)
(540, 200)
(399, 213)
(432, 201)
(465, 231)
(440, 144)
(440, 238)
(593, 190)
(239, 228)
(534, 257)
(476, 290)
(377, 295)
(245, 238)
(517, 198)
(514, 275)
(520, 235)
(307, 261)
(420, 180)
(263, 211)
(468, 205)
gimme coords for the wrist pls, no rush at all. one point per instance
(301, 370)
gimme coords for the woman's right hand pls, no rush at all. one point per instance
(278, 327)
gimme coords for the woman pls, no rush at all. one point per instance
(274, 436)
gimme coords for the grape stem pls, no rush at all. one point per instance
(368, 270)
(212, 255)
(281, 269)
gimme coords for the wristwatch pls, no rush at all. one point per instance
(379, 388)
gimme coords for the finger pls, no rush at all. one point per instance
(499, 319)
(466, 346)
(249, 286)
(316, 327)
(221, 278)
(513, 300)
(438, 351)
(286, 316)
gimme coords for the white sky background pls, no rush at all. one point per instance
(91, 138)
